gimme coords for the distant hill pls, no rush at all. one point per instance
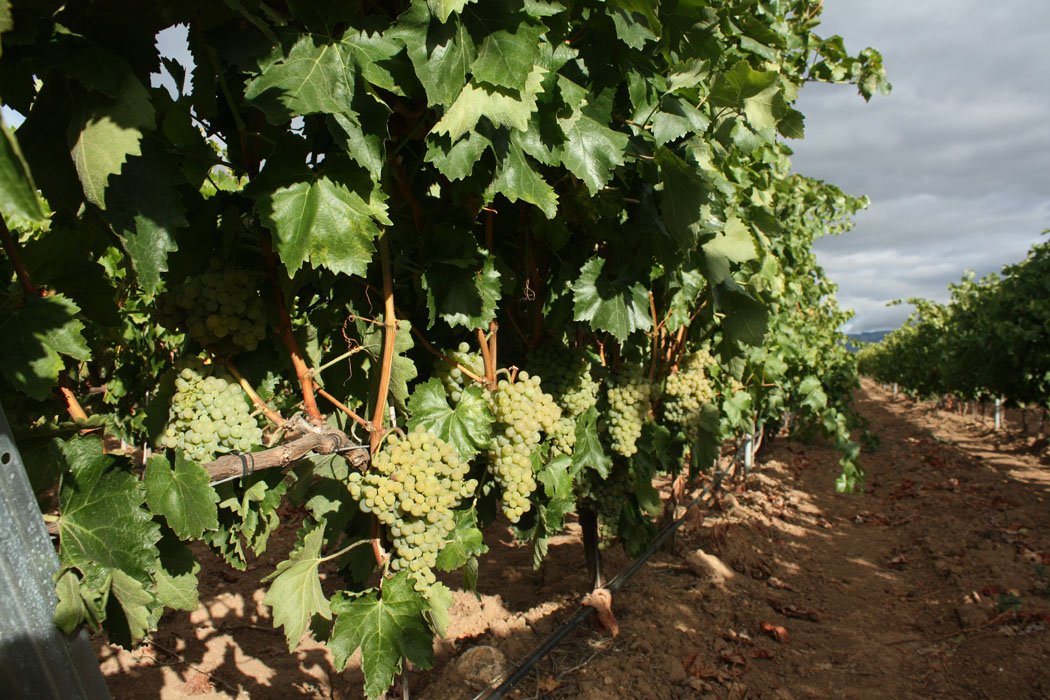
(866, 337)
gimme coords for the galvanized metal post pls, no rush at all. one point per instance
(36, 659)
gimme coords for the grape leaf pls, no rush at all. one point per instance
(296, 594)
(618, 305)
(461, 544)
(71, 609)
(145, 210)
(135, 602)
(439, 600)
(441, 53)
(386, 629)
(741, 83)
(505, 58)
(17, 192)
(457, 160)
(315, 76)
(183, 495)
(467, 426)
(592, 150)
(517, 180)
(36, 335)
(502, 107)
(102, 519)
(443, 8)
(323, 221)
(104, 132)
(588, 451)
(176, 575)
(746, 318)
(457, 290)
(683, 197)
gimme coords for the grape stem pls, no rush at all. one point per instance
(335, 402)
(342, 551)
(271, 415)
(11, 248)
(389, 336)
(302, 371)
(437, 353)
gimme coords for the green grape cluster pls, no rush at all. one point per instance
(413, 487)
(606, 497)
(687, 391)
(220, 306)
(452, 377)
(563, 439)
(209, 415)
(568, 378)
(629, 403)
(522, 412)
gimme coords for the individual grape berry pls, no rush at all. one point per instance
(523, 412)
(627, 395)
(219, 307)
(209, 414)
(412, 487)
(687, 391)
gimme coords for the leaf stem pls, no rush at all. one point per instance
(343, 551)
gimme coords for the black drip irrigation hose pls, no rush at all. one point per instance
(583, 613)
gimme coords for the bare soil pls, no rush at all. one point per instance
(927, 585)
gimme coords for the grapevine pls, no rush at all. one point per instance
(374, 181)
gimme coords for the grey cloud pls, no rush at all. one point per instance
(955, 159)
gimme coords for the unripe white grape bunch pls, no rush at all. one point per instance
(209, 415)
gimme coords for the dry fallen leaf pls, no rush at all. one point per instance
(777, 632)
(547, 684)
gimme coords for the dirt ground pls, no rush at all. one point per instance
(930, 584)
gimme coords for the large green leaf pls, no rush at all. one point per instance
(36, 335)
(505, 57)
(456, 160)
(386, 628)
(134, 602)
(182, 495)
(145, 210)
(683, 197)
(176, 575)
(323, 221)
(17, 191)
(746, 318)
(592, 150)
(104, 132)
(619, 305)
(588, 450)
(441, 53)
(295, 593)
(102, 521)
(510, 108)
(462, 544)
(456, 289)
(442, 9)
(467, 426)
(517, 180)
(314, 76)
(404, 369)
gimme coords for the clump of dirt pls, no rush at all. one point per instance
(934, 582)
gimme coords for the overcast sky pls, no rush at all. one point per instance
(956, 160)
